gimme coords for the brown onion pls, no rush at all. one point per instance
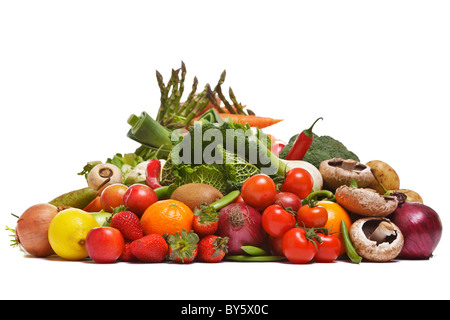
(32, 229)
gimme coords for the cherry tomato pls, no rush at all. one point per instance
(112, 196)
(276, 221)
(289, 200)
(296, 247)
(312, 217)
(329, 249)
(259, 191)
(298, 181)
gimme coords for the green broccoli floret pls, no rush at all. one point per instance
(322, 148)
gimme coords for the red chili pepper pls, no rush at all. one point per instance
(152, 173)
(302, 144)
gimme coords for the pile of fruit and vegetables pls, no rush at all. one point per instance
(207, 184)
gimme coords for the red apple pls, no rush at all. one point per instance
(104, 244)
(138, 198)
(112, 196)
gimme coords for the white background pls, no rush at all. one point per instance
(71, 72)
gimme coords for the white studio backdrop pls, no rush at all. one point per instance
(71, 72)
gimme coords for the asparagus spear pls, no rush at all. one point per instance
(225, 101)
(181, 89)
(238, 106)
(212, 97)
(162, 88)
(189, 98)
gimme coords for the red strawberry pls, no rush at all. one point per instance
(206, 221)
(183, 248)
(127, 255)
(151, 248)
(129, 225)
(212, 248)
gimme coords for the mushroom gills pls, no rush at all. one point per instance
(348, 164)
(379, 231)
(337, 172)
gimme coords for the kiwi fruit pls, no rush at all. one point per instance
(195, 194)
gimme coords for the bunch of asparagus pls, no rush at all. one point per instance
(174, 114)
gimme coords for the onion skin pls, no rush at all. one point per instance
(32, 229)
(250, 233)
(421, 228)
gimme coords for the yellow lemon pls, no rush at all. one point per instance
(67, 233)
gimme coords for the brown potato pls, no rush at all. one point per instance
(385, 175)
(410, 195)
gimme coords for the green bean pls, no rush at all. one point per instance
(243, 258)
(254, 251)
(320, 195)
(351, 252)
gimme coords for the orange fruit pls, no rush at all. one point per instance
(167, 216)
(335, 214)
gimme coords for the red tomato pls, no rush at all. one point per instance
(276, 221)
(298, 181)
(329, 249)
(239, 199)
(259, 191)
(112, 196)
(138, 198)
(275, 246)
(312, 217)
(296, 247)
(289, 200)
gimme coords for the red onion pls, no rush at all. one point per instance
(241, 223)
(421, 228)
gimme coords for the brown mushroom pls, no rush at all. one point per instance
(365, 201)
(337, 172)
(376, 239)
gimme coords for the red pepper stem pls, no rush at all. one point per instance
(309, 132)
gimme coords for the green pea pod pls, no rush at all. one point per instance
(162, 192)
(225, 200)
(243, 258)
(351, 252)
(254, 251)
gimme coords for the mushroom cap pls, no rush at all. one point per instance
(365, 201)
(361, 234)
(337, 172)
(103, 175)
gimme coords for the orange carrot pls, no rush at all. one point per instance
(253, 121)
(94, 206)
